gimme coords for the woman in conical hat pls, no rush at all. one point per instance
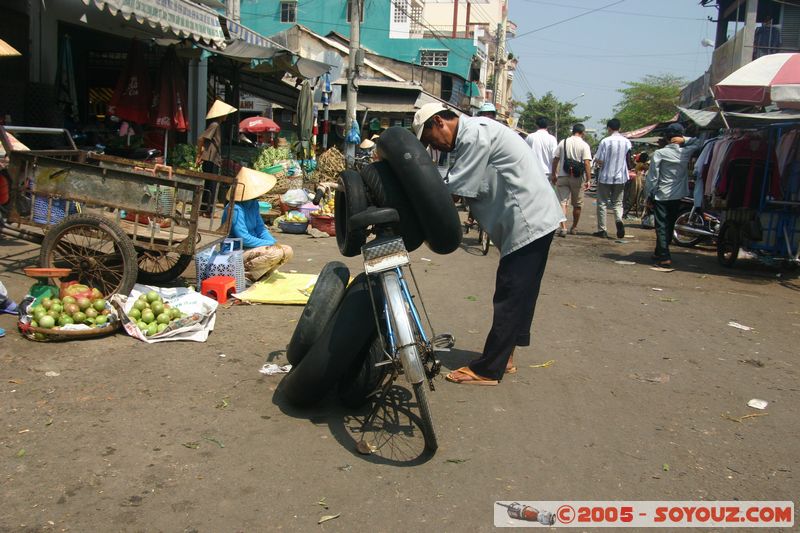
(262, 254)
(209, 144)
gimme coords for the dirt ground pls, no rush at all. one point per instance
(642, 402)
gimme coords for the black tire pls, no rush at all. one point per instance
(728, 244)
(99, 253)
(344, 337)
(157, 267)
(421, 180)
(364, 377)
(687, 218)
(385, 190)
(350, 199)
(428, 431)
(322, 304)
(483, 239)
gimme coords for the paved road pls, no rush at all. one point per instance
(638, 404)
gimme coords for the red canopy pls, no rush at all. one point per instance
(258, 125)
(171, 98)
(132, 97)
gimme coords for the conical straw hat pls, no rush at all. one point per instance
(366, 144)
(220, 109)
(6, 50)
(251, 184)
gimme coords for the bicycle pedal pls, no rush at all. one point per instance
(443, 342)
(436, 367)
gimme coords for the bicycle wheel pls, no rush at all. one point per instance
(428, 431)
(728, 244)
(483, 239)
(692, 220)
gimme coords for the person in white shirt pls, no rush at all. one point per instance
(543, 146)
(572, 170)
(614, 159)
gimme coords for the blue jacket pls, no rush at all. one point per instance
(248, 225)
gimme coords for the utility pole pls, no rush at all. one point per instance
(496, 83)
(500, 80)
(352, 76)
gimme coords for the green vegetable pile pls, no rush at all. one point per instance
(269, 156)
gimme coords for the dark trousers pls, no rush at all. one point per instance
(209, 185)
(519, 276)
(665, 213)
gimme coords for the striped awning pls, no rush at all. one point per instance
(181, 18)
(242, 33)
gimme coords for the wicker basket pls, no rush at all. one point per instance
(52, 335)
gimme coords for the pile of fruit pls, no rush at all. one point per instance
(292, 216)
(151, 315)
(326, 209)
(54, 313)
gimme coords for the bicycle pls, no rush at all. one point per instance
(483, 237)
(408, 350)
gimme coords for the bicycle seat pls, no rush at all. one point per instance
(373, 216)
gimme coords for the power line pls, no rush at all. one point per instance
(568, 19)
(628, 13)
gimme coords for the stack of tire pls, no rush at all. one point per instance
(336, 342)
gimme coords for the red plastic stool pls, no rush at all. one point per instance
(220, 286)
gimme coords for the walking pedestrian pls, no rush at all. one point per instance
(543, 146)
(508, 193)
(666, 183)
(571, 177)
(209, 149)
(614, 159)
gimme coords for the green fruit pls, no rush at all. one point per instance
(143, 297)
(63, 320)
(37, 307)
(71, 309)
(152, 329)
(153, 296)
(57, 301)
(140, 304)
(79, 317)
(100, 320)
(39, 313)
(99, 304)
(163, 318)
(174, 313)
(39, 336)
(161, 327)
(89, 320)
(134, 313)
(148, 316)
(66, 300)
(157, 308)
(141, 325)
(46, 303)
(56, 308)
(83, 303)
(91, 313)
(52, 313)
(34, 324)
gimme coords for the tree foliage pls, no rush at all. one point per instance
(546, 107)
(652, 99)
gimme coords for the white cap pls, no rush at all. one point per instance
(425, 112)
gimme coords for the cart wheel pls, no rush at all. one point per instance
(728, 244)
(96, 250)
(157, 267)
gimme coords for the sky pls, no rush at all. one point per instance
(595, 52)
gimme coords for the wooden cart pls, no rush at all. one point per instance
(109, 220)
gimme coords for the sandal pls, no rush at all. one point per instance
(511, 370)
(471, 377)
